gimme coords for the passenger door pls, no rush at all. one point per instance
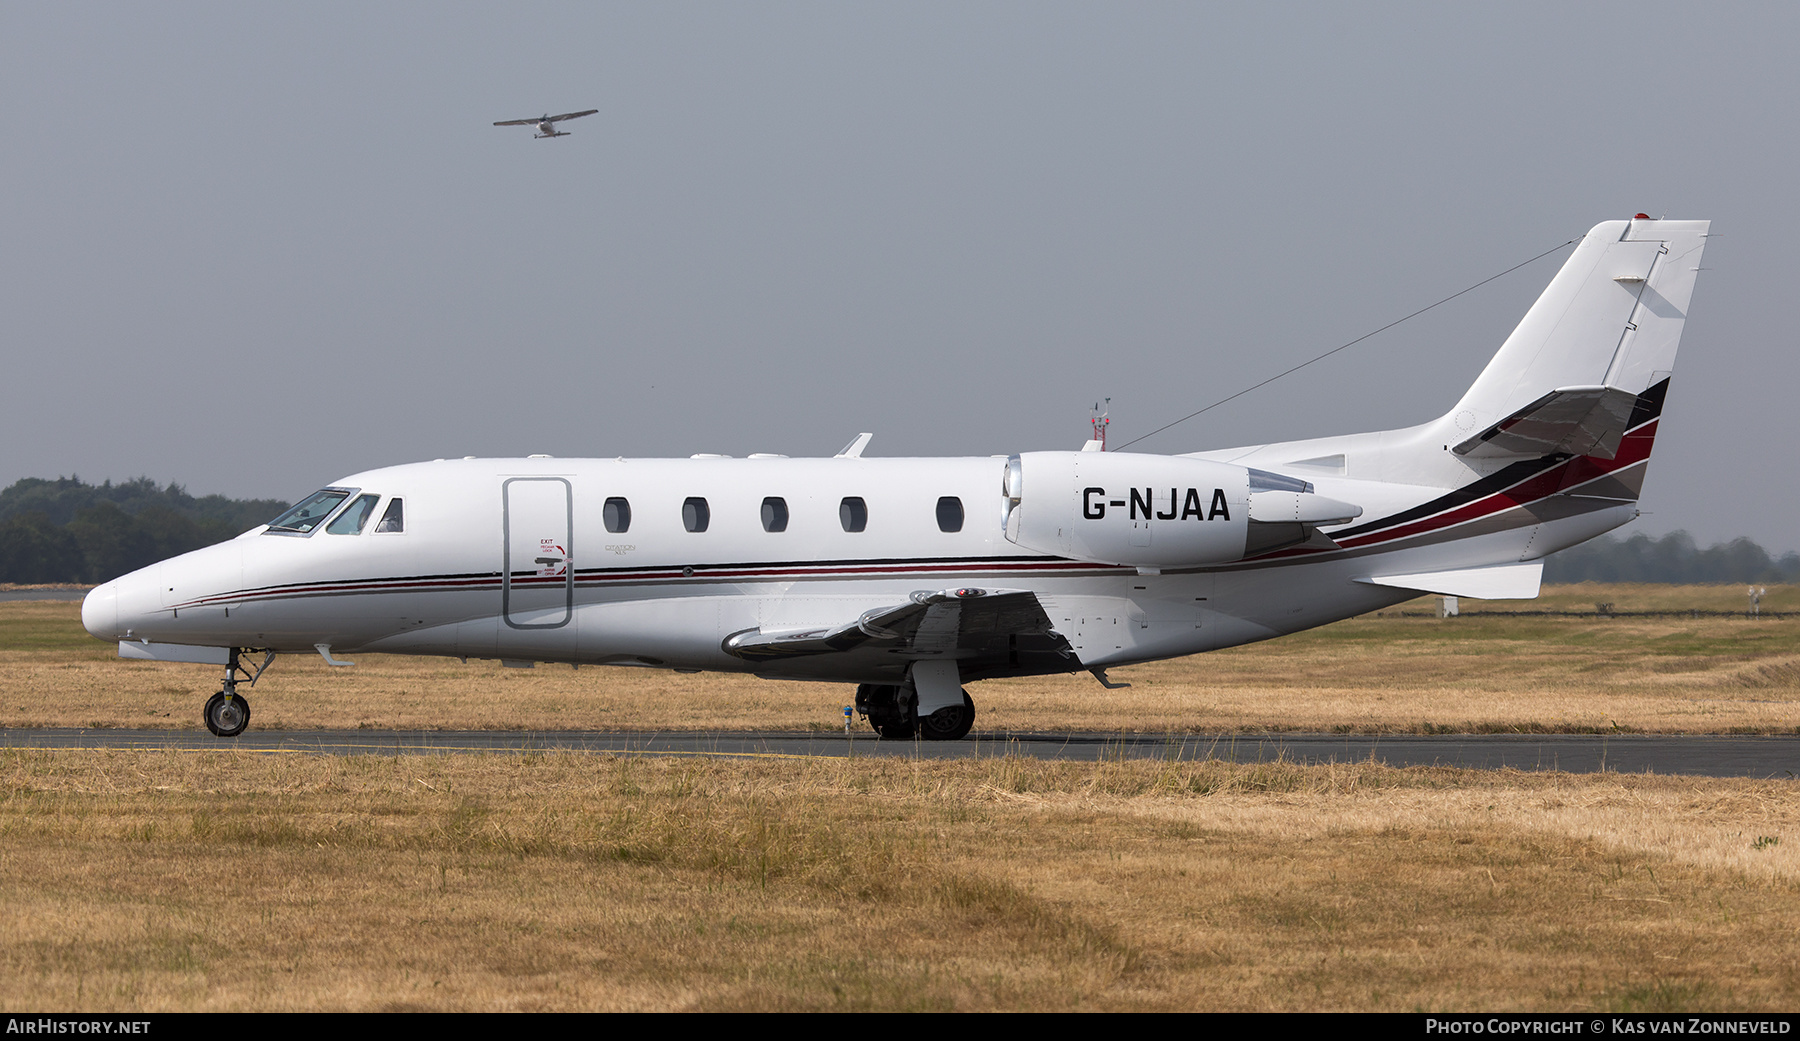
(537, 588)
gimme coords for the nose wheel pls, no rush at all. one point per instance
(226, 713)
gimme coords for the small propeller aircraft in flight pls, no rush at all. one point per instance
(912, 577)
(546, 124)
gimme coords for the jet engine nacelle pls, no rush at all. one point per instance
(1154, 511)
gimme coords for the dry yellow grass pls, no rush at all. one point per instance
(1377, 674)
(166, 881)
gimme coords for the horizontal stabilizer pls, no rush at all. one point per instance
(1500, 582)
(1572, 420)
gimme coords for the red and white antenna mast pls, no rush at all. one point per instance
(1099, 418)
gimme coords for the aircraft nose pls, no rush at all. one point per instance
(100, 611)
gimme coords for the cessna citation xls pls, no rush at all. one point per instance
(911, 577)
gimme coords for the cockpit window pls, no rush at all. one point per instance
(311, 511)
(393, 518)
(355, 516)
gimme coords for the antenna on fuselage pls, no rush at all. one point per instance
(1098, 418)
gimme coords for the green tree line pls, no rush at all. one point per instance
(1673, 558)
(66, 530)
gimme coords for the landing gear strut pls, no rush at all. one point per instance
(227, 713)
(893, 713)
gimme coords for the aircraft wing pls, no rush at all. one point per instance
(988, 632)
(1575, 420)
(565, 115)
(517, 122)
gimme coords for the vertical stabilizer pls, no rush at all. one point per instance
(1609, 322)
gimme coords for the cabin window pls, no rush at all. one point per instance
(354, 517)
(695, 515)
(617, 515)
(853, 513)
(774, 513)
(306, 516)
(393, 519)
(950, 513)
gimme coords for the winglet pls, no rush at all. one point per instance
(1100, 674)
(854, 449)
(324, 650)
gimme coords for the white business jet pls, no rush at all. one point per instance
(912, 577)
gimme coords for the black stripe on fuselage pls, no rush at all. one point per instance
(1498, 481)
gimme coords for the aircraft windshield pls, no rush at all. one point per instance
(302, 519)
(354, 517)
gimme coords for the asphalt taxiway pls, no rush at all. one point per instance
(1702, 755)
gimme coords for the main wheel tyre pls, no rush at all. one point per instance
(950, 723)
(881, 704)
(226, 716)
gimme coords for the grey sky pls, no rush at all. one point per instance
(252, 248)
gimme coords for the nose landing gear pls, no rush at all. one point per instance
(227, 713)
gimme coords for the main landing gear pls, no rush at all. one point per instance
(227, 713)
(892, 711)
